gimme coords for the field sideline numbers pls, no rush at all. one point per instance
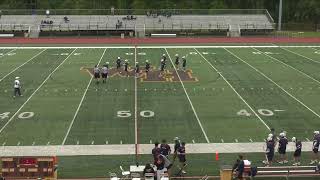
(263, 112)
(145, 113)
(23, 115)
(267, 52)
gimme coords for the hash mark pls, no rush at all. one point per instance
(307, 139)
(222, 140)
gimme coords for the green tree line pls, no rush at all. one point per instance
(293, 10)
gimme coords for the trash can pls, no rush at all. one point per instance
(226, 173)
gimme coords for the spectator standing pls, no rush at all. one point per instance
(177, 144)
(269, 151)
(283, 142)
(238, 167)
(156, 151)
(315, 147)
(297, 152)
(165, 148)
(181, 151)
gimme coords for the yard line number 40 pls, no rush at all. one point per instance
(23, 115)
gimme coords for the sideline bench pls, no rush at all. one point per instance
(288, 171)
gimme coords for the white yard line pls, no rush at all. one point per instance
(300, 55)
(129, 149)
(81, 101)
(48, 77)
(135, 103)
(261, 120)
(185, 91)
(21, 65)
(274, 83)
(306, 75)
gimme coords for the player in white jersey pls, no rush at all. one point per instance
(105, 70)
(17, 87)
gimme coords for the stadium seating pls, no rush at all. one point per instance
(225, 22)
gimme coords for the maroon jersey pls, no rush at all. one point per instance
(165, 149)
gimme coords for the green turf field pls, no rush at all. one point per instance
(232, 94)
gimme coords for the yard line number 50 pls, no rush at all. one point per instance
(145, 113)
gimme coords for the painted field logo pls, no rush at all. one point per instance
(154, 75)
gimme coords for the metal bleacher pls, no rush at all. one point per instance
(175, 22)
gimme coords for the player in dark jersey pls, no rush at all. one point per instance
(164, 57)
(156, 151)
(96, 73)
(282, 147)
(162, 67)
(181, 151)
(269, 151)
(297, 152)
(315, 147)
(126, 66)
(118, 62)
(184, 63)
(105, 70)
(177, 144)
(177, 61)
(147, 66)
(137, 69)
(165, 148)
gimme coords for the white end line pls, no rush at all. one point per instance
(262, 121)
(35, 92)
(21, 65)
(274, 83)
(79, 106)
(185, 91)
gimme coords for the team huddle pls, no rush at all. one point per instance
(124, 65)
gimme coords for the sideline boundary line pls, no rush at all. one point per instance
(128, 149)
(22, 65)
(194, 111)
(48, 77)
(274, 83)
(261, 120)
(80, 104)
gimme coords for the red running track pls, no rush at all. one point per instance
(156, 40)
